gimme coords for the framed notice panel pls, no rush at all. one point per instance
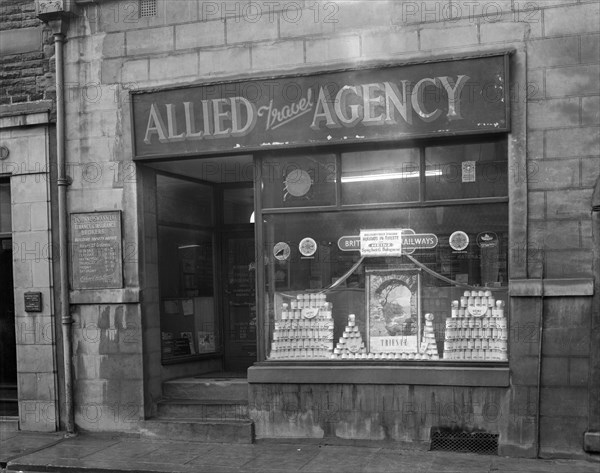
(393, 310)
(96, 250)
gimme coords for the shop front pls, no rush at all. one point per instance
(344, 237)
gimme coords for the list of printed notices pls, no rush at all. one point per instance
(96, 250)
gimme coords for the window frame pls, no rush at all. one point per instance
(263, 343)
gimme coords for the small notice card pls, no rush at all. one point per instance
(385, 242)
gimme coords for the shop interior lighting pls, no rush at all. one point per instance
(389, 176)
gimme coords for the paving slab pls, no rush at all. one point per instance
(87, 453)
(277, 457)
(14, 443)
(446, 462)
(510, 465)
(387, 460)
(334, 458)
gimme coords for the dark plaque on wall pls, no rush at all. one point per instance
(33, 301)
(96, 250)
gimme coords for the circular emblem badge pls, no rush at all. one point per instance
(477, 310)
(298, 183)
(310, 312)
(307, 247)
(281, 251)
(353, 345)
(459, 241)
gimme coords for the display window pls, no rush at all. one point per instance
(397, 254)
(303, 180)
(186, 268)
(373, 176)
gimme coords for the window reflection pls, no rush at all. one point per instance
(380, 176)
(466, 171)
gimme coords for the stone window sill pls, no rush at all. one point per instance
(440, 374)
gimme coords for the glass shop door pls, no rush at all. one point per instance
(238, 300)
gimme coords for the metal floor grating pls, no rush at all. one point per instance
(448, 440)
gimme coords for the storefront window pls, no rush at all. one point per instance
(305, 180)
(380, 176)
(466, 171)
(435, 286)
(185, 241)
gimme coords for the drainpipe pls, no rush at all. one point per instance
(59, 29)
(539, 368)
(63, 182)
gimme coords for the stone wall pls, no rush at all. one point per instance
(194, 40)
(383, 413)
(112, 51)
(26, 135)
(26, 113)
(26, 54)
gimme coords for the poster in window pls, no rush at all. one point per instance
(393, 310)
(206, 341)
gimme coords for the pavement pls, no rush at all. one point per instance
(95, 453)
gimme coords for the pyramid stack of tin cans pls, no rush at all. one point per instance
(428, 344)
(305, 329)
(350, 344)
(477, 329)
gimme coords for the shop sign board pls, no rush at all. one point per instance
(349, 243)
(410, 241)
(96, 250)
(387, 102)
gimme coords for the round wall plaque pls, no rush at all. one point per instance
(298, 183)
(459, 241)
(308, 247)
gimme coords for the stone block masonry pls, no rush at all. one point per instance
(108, 366)
(556, 44)
(32, 268)
(26, 51)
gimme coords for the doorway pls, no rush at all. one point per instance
(237, 272)
(206, 249)
(8, 347)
